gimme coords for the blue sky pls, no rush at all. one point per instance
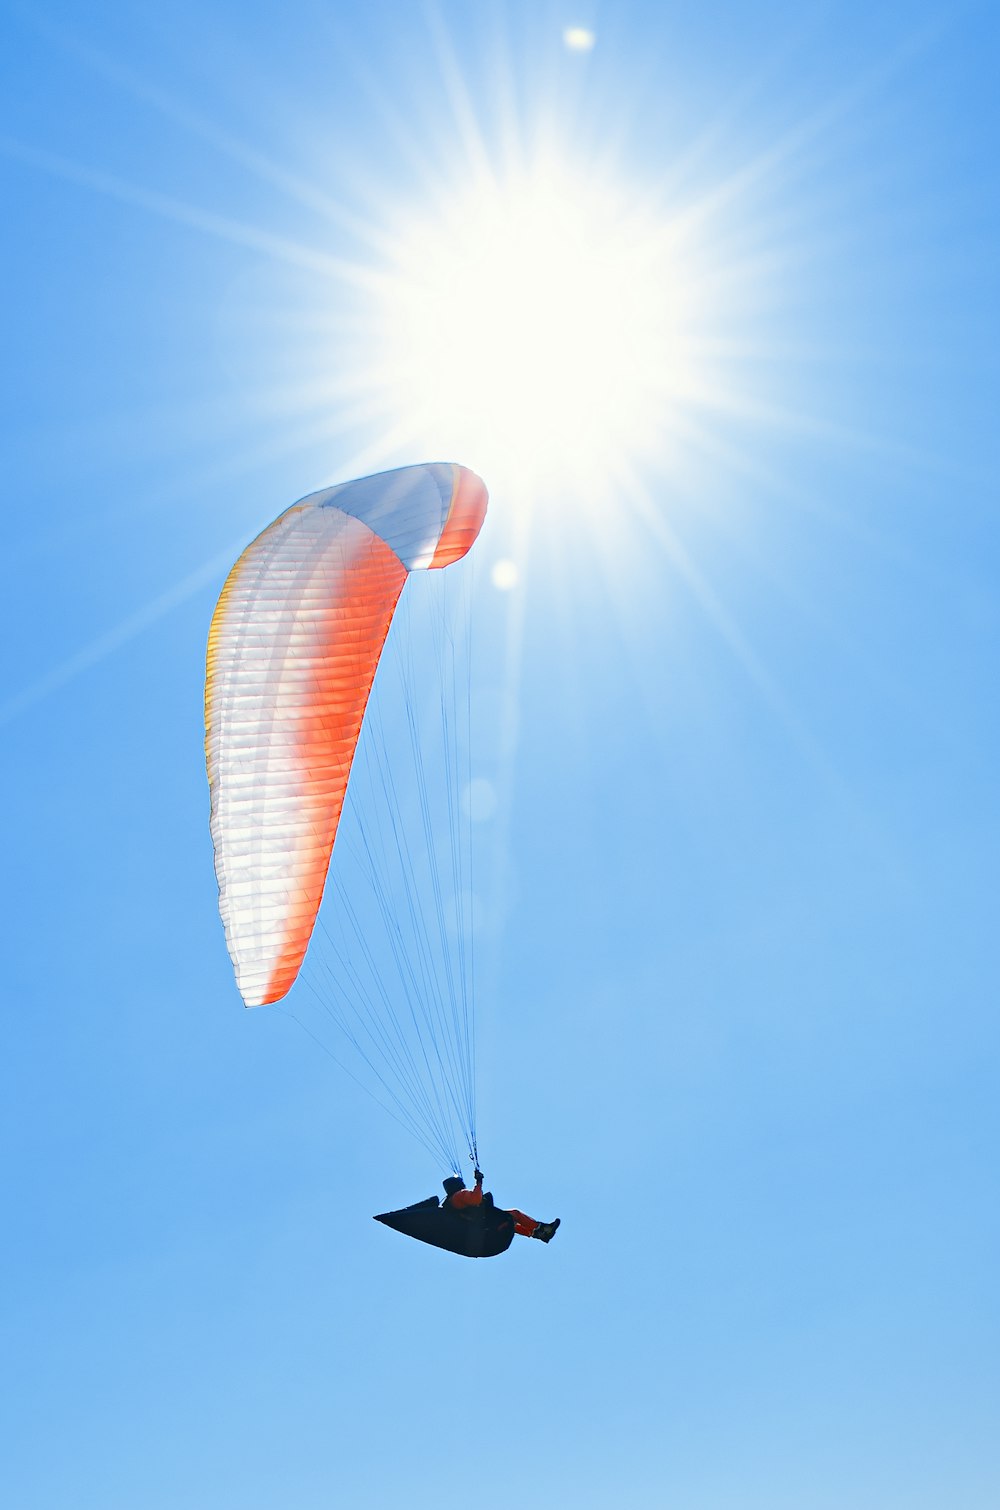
(738, 1005)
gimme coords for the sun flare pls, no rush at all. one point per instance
(536, 326)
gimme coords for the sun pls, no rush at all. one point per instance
(536, 327)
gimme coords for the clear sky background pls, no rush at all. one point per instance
(739, 985)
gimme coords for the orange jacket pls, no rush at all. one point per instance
(463, 1198)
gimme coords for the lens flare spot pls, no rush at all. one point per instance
(479, 799)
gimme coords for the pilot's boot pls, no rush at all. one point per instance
(546, 1231)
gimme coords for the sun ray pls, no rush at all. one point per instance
(114, 639)
(353, 273)
(739, 645)
(185, 116)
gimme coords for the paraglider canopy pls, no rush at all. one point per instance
(295, 640)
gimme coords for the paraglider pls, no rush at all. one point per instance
(295, 642)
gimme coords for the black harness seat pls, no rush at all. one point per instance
(473, 1232)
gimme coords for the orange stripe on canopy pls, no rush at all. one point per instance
(465, 518)
(364, 596)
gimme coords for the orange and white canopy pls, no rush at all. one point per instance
(292, 653)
